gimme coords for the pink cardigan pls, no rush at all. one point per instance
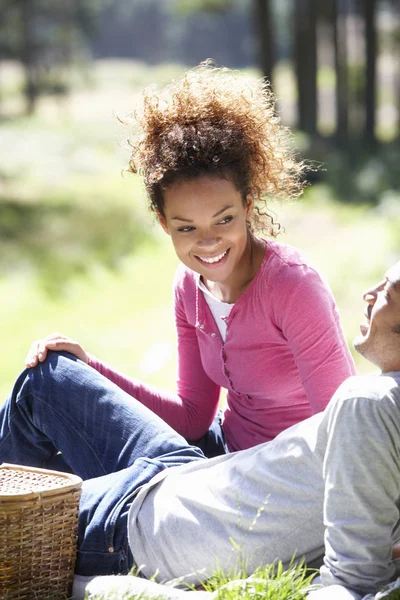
(283, 358)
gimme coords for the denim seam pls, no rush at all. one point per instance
(70, 424)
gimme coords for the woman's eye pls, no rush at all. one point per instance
(225, 220)
(185, 229)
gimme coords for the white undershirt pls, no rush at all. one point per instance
(220, 310)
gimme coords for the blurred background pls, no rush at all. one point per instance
(80, 253)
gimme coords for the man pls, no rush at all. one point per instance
(326, 489)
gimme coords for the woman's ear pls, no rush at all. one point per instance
(249, 207)
(163, 222)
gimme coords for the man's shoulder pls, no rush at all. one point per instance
(368, 400)
(374, 386)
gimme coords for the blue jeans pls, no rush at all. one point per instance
(113, 442)
(213, 441)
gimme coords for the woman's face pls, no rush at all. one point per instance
(207, 222)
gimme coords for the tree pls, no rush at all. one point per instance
(395, 54)
(44, 36)
(369, 7)
(263, 25)
(338, 19)
(305, 59)
(265, 36)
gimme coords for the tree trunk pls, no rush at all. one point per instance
(397, 90)
(370, 69)
(28, 54)
(342, 91)
(305, 46)
(265, 37)
(395, 52)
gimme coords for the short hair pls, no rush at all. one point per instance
(217, 122)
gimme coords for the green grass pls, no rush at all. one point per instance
(271, 582)
(123, 316)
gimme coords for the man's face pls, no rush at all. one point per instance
(379, 341)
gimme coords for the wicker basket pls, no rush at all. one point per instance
(38, 532)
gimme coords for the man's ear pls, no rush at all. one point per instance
(163, 222)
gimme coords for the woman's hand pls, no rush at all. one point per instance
(55, 341)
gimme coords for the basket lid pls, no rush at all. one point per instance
(18, 482)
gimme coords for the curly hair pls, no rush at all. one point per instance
(214, 121)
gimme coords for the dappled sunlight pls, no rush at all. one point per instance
(60, 240)
(116, 315)
(156, 357)
(80, 253)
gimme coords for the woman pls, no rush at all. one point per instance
(252, 315)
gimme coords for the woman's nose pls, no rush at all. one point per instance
(208, 240)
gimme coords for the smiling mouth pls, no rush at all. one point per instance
(364, 327)
(213, 260)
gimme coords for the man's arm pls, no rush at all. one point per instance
(362, 488)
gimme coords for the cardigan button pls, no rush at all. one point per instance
(213, 334)
(201, 326)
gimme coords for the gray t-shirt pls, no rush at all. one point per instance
(334, 477)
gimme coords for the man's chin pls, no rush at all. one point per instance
(365, 348)
(359, 344)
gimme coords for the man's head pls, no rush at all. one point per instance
(379, 341)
